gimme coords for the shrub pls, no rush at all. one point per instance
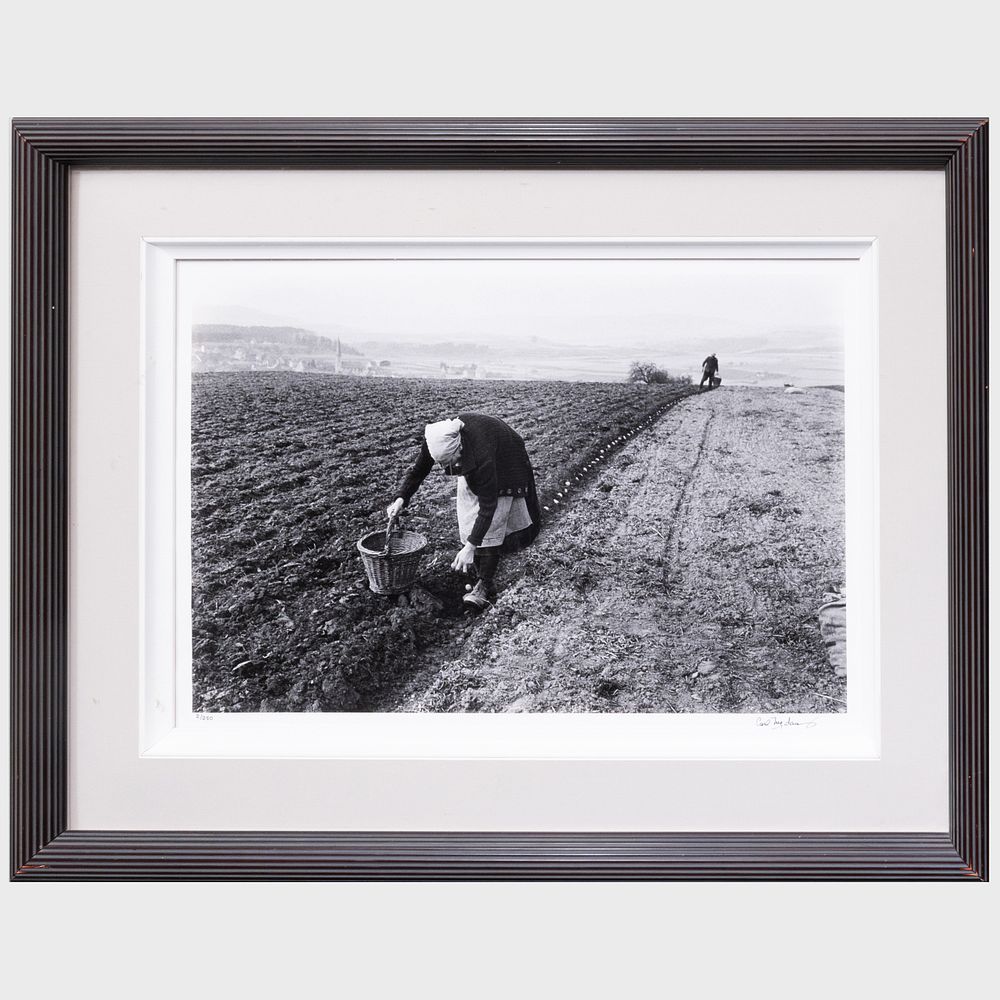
(646, 373)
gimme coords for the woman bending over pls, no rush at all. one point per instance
(496, 502)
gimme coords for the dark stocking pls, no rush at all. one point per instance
(487, 560)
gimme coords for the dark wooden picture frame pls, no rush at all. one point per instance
(44, 154)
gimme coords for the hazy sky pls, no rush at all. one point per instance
(581, 302)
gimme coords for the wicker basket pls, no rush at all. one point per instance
(392, 558)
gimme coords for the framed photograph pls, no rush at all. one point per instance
(499, 499)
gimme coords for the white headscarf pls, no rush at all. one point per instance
(444, 441)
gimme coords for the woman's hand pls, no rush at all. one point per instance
(464, 560)
(395, 507)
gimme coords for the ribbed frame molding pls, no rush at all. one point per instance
(45, 151)
(968, 370)
(441, 143)
(38, 499)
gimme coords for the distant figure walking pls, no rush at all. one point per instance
(497, 505)
(709, 368)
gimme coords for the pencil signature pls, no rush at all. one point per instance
(783, 722)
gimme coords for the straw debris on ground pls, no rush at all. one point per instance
(686, 579)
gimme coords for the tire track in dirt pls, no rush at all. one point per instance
(671, 547)
(656, 568)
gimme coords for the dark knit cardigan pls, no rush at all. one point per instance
(495, 464)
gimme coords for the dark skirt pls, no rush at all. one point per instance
(518, 540)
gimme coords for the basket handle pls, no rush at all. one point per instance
(390, 528)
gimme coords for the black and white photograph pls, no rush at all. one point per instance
(530, 486)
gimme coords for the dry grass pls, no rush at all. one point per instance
(686, 579)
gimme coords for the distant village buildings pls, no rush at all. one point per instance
(223, 347)
(259, 354)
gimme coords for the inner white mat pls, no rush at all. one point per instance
(172, 728)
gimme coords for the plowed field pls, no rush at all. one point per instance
(289, 470)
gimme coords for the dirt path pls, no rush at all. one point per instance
(685, 578)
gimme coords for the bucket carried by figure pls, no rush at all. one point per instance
(392, 558)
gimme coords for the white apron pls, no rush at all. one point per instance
(511, 515)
